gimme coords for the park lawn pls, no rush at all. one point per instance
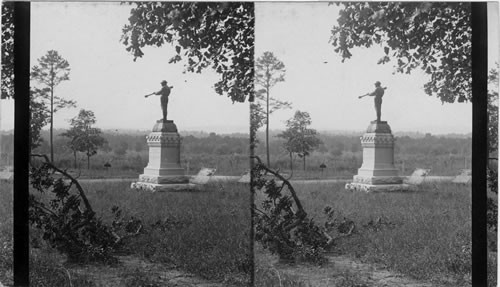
(425, 235)
(6, 233)
(206, 233)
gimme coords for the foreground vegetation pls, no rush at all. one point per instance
(425, 235)
(6, 233)
(205, 233)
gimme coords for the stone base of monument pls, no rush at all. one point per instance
(171, 187)
(164, 171)
(356, 186)
(377, 173)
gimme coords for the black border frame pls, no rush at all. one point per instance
(21, 142)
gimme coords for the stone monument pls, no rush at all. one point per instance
(164, 171)
(377, 173)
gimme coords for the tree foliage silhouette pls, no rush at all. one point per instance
(299, 138)
(83, 136)
(51, 70)
(7, 87)
(269, 71)
(216, 35)
(435, 37)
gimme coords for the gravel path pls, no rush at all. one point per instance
(337, 272)
(130, 268)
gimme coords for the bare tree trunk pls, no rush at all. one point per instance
(88, 161)
(267, 128)
(74, 162)
(304, 161)
(291, 162)
(51, 123)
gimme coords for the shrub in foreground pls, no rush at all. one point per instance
(280, 228)
(73, 230)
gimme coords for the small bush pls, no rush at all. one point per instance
(67, 221)
(280, 228)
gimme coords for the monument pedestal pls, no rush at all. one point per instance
(164, 171)
(377, 173)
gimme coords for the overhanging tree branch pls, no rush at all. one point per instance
(301, 212)
(81, 192)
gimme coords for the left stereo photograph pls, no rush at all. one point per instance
(139, 142)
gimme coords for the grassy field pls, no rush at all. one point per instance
(6, 232)
(205, 233)
(425, 235)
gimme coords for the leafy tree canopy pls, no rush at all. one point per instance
(7, 87)
(300, 138)
(216, 35)
(84, 137)
(51, 70)
(269, 71)
(493, 110)
(435, 37)
(39, 117)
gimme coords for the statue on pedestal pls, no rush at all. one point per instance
(164, 92)
(378, 94)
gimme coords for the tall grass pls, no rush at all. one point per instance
(6, 232)
(425, 235)
(206, 233)
(45, 269)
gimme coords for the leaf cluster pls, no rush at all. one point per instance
(51, 70)
(216, 35)
(7, 87)
(492, 203)
(435, 37)
(299, 138)
(83, 136)
(281, 225)
(492, 109)
(39, 118)
(61, 210)
(69, 227)
(269, 71)
(492, 176)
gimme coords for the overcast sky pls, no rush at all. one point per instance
(105, 79)
(298, 35)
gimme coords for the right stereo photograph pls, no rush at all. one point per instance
(362, 144)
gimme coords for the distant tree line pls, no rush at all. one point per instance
(343, 153)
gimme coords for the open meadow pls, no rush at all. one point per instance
(424, 235)
(6, 233)
(204, 233)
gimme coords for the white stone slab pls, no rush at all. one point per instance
(418, 176)
(152, 187)
(245, 178)
(464, 177)
(377, 188)
(6, 175)
(203, 176)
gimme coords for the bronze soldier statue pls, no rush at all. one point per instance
(378, 94)
(164, 92)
